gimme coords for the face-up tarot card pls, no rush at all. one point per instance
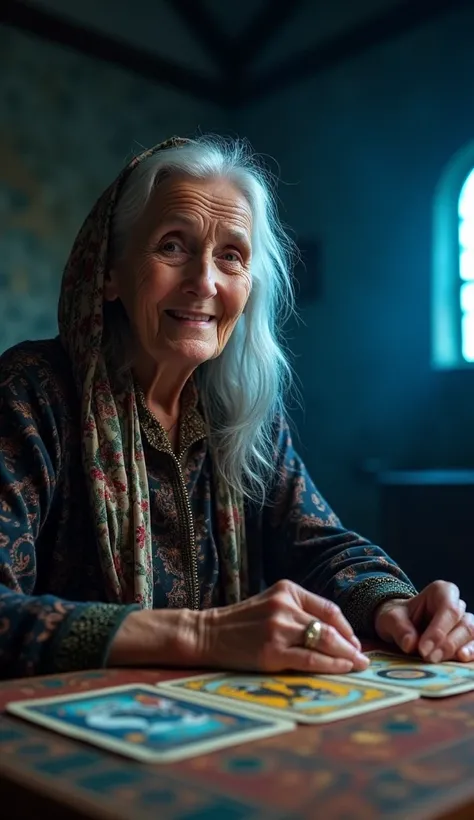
(145, 723)
(430, 680)
(299, 697)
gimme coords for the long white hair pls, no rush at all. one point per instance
(243, 389)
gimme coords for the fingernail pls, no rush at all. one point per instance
(426, 648)
(362, 658)
(436, 656)
(406, 643)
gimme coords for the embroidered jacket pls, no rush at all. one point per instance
(54, 610)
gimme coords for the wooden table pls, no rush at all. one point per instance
(409, 762)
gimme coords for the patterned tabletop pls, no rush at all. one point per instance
(411, 762)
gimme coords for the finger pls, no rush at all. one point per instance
(466, 653)
(409, 642)
(306, 660)
(325, 611)
(355, 642)
(447, 614)
(396, 625)
(332, 643)
(460, 636)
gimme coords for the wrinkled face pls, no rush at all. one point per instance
(184, 278)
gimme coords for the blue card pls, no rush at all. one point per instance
(142, 722)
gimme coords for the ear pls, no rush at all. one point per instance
(111, 285)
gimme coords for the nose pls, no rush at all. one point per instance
(201, 278)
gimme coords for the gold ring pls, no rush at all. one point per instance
(312, 634)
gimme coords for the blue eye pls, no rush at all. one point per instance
(170, 246)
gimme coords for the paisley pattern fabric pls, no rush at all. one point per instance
(99, 517)
(112, 452)
(55, 609)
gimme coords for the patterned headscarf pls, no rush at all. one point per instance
(112, 451)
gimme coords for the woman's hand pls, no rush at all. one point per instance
(434, 623)
(266, 634)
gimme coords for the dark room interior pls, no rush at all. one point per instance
(364, 112)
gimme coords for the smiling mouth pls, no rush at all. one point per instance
(195, 318)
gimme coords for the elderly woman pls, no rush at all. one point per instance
(152, 508)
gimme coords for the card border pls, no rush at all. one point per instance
(400, 696)
(455, 689)
(275, 726)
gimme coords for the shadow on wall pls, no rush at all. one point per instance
(361, 150)
(69, 124)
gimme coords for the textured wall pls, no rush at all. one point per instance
(67, 125)
(361, 148)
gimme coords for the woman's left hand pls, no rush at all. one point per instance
(434, 624)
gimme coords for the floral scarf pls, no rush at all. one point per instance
(112, 451)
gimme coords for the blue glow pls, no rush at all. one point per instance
(468, 337)
(467, 297)
(466, 265)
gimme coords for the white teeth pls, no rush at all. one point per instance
(194, 317)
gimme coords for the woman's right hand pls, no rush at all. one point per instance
(265, 633)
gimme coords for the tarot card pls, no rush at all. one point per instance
(144, 723)
(300, 697)
(430, 680)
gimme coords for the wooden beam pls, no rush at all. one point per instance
(382, 27)
(65, 32)
(263, 27)
(204, 29)
(235, 88)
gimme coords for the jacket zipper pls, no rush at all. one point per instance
(186, 522)
(185, 513)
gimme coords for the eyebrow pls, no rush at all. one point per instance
(188, 221)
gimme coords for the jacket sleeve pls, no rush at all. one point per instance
(304, 541)
(38, 634)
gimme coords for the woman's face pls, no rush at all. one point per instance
(184, 278)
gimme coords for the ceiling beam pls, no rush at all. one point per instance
(204, 29)
(61, 30)
(263, 28)
(378, 29)
(236, 87)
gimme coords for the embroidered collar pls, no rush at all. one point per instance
(192, 427)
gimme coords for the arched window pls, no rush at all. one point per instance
(466, 266)
(453, 264)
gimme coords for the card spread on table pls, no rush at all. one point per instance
(141, 722)
(428, 679)
(299, 697)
